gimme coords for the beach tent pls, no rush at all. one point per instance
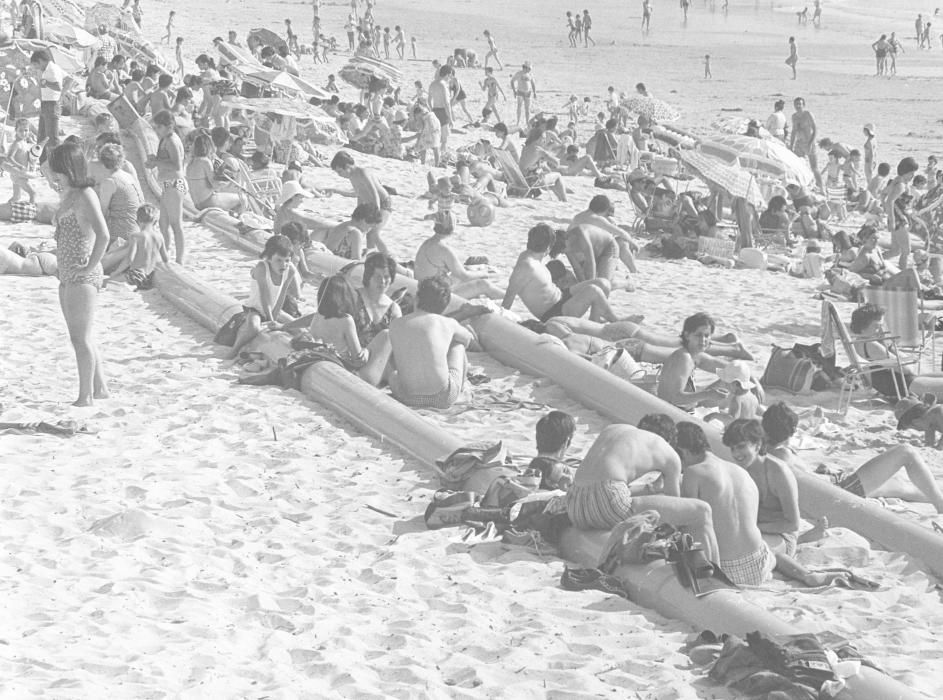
(651, 107)
(766, 156)
(364, 72)
(266, 37)
(285, 82)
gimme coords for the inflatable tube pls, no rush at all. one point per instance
(621, 401)
(374, 412)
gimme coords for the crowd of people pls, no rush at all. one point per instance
(745, 514)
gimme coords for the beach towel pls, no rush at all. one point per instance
(456, 468)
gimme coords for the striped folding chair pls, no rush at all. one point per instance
(904, 315)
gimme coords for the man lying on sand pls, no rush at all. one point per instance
(429, 350)
(870, 479)
(734, 500)
(530, 279)
(600, 497)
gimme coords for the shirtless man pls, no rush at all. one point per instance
(897, 222)
(524, 87)
(492, 51)
(428, 350)
(646, 16)
(440, 102)
(735, 501)
(531, 280)
(802, 138)
(368, 190)
(600, 497)
(436, 257)
(598, 215)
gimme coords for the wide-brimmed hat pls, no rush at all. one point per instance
(737, 371)
(290, 189)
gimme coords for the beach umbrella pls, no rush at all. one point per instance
(737, 126)
(281, 80)
(365, 72)
(102, 13)
(68, 11)
(733, 179)
(651, 107)
(266, 37)
(58, 30)
(748, 150)
(277, 105)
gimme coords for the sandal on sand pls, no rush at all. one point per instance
(592, 579)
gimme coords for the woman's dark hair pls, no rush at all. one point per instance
(276, 245)
(692, 323)
(295, 232)
(164, 118)
(336, 297)
(69, 160)
(554, 430)
(202, 146)
(745, 430)
(368, 212)
(779, 423)
(100, 61)
(776, 204)
(184, 94)
(378, 261)
(259, 160)
(864, 316)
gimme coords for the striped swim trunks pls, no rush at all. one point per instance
(751, 569)
(599, 505)
(441, 399)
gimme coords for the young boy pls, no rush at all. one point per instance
(178, 54)
(491, 87)
(142, 252)
(412, 45)
(399, 41)
(331, 84)
(170, 27)
(707, 66)
(19, 155)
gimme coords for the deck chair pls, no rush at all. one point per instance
(263, 192)
(837, 201)
(517, 184)
(860, 369)
(905, 317)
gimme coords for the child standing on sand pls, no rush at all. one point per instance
(141, 254)
(170, 27)
(491, 87)
(412, 45)
(178, 54)
(869, 145)
(492, 51)
(742, 400)
(707, 66)
(19, 154)
(793, 56)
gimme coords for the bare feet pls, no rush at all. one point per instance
(102, 393)
(82, 401)
(818, 531)
(741, 353)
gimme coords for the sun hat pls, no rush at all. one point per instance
(737, 371)
(869, 127)
(290, 189)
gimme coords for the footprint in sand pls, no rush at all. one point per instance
(128, 525)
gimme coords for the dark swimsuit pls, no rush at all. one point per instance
(883, 381)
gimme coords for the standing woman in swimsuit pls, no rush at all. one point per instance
(81, 240)
(458, 95)
(676, 385)
(170, 173)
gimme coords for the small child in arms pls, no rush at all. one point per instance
(744, 394)
(145, 248)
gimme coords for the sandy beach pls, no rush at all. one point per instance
(209, 540)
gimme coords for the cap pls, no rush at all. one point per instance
(737, 371)
(290, 189)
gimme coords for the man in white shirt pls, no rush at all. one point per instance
(51, 80)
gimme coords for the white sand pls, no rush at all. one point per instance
(211, 540)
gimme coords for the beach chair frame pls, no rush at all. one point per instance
(860, 369)
(263, 192)
(516, 182)
(904, 313)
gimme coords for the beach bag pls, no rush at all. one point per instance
(788, 371)
(226, 335)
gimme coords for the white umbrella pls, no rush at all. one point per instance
(288, 82)
(651, 107)
(758, 154)
(731, 178)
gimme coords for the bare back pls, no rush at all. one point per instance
(421, 343)
(734, 500)
(624, 453)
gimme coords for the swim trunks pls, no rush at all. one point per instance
(442, 399)
(851, 483)
(179, 184)
(441, 115)
(556, 309)
(139, 280)
(750, 569)
(598, 505)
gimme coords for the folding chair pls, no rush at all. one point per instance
(263, 191)
(517, 183)
(719, 248)
(860, 370)
(905, 317)
(837, 201)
